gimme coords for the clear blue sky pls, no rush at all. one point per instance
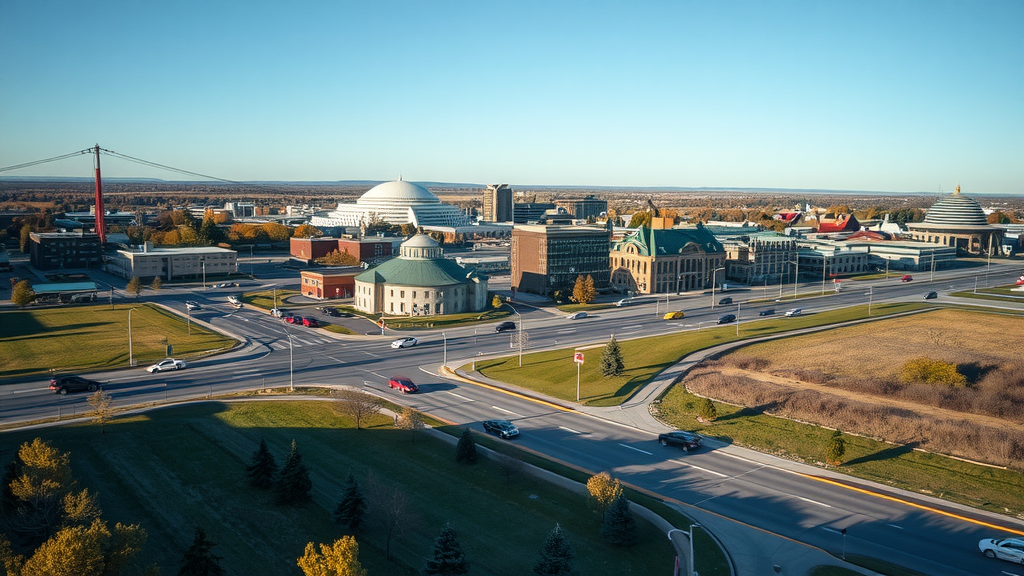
(888, 96)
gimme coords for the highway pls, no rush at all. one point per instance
(729, 481)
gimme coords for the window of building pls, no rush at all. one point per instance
(392, 306)
(401, 306)
(401, 294)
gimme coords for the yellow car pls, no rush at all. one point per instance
(674, 316)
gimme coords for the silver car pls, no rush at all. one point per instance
(1011, 549)
(404, 342)
(168, 364)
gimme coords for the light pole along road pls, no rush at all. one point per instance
(931, 537)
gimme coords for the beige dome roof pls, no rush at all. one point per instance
(399, 191)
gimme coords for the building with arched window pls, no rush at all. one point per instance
(654, 261)
(420, 282)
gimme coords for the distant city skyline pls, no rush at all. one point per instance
(914, 96)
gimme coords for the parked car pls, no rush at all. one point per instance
(794, 312)
(674, 315)
(907, 278)
(724, 301)
(330, 311)
(931, 295)
(505, 327)
(576, 315)
(727, 318)
(767, 312)
(685, 440)
(193, 305)
(1011, 549)
(310, 322)
(64, 384)
(501, 428)
(405, 342)
(402, 384)
(167, 364)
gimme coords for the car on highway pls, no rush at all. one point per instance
(402, 384)
(674, 315)
(724, 301)
(907, 278)
(726, 318)
(767, 312)
(1011, 549)
(501, 428)
(406, 342)
(235, 300)
(794, 312)
(329, 311)
(293, 319)
(167, 364)
(310, 322)
(276, 312)
(685, 440)
(576, 315)
(191, 305)
(505, 327)
(931, 295)
(64, 384)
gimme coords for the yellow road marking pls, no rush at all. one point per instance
(452, 374)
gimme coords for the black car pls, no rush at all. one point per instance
(931, 295)
(767, 312)
(65, 384)
(505, 327)
(501, 428)
(685, 440)
(727, 318)
(726, 300)
(330, 311)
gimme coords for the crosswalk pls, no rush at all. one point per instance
(298, 342)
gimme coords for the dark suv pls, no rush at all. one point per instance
(505, 327)
(685, 440)
(727, 318)
(64, 384)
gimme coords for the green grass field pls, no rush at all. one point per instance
(1003, 293)
(174, 469)
(265, 299)
(554, 372)
(981, 487)
(73, 338)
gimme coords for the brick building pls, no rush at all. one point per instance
(330, 282)
(549, 258)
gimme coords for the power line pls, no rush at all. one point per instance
(165, 167)
(27, 164)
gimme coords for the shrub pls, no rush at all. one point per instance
(932, 372)
(835, 449)
(465, 450)
(706, 410)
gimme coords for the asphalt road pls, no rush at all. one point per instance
(725, 481)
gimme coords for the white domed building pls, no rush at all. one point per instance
(420, 282)
(958, 222)
(396, 203)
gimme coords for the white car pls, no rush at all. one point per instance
(576, 315)
(404, 342)
(168, 364)
(193, 305)
(235, 300)
(276, 312)
(795, 312)
(1011, 549)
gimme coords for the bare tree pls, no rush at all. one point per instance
(101, 403)
(411, 420)
(511, 467)
(355, 404)
(388, 507)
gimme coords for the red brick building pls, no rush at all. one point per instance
(310, 249)
(330, 282)
(366, 250)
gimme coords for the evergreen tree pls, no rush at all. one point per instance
(294, 485)
(22, 295)
(350, 510)
(835, 449)
(706, 410)
(447, 557)
(556, 557)
(157, 283)
(199, 559)
(263, 468)
(611, 359)
(619, 527)
(465, 450)
(134, 287)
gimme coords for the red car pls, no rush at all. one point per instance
(907, 278)
(310, 323)
(293, 319)
(402, 384)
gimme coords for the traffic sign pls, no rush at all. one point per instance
(578, 357)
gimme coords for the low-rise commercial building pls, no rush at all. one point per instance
(191, 263)
(329, 282)
(549, 258)
(758, 257)
(63, 250)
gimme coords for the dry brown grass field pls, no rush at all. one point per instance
(849, 379)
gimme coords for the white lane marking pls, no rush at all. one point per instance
(250, 370)
(461, 396)
(812, 501)
(637, 327)
(30, 390)
(1010, 573)
(637, 449)
(375, 374)
(569, 331)
(719, 474)
(370, 354)
(741, 458)
(507, 411)
(629, 333)
(570, 430)
(895, 526)
(425, 371)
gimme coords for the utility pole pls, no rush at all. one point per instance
(100, 224)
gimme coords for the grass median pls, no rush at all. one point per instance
(174, 469)
(554, 373)
(84, 338)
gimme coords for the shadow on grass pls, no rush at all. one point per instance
(746, 412)
(887, 454)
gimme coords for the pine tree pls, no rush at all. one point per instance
(199, 559)
(157, 283)
(465, 450)
(556, 557)
(619, 527)
(835, 449)
(263, 468)
(611, 359)
(447, 557)
(706, 410)
(294, 485)
(350, 510)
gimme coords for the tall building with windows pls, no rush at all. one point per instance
(549, 258)
(583, 208)
(497, 203)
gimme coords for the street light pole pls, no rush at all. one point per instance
(291, 361)
(188, 315)
(692, 526)
(204, 274)
(869, 300)
(714, 275)
(738, 306)
(131, 360)
(445, 340)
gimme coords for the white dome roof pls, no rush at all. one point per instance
(399, 191)
(421, 241)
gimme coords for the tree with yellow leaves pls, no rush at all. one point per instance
(338, 559)
(604, 489)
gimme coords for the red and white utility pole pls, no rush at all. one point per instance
(100, 226)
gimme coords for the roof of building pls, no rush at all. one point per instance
(651, 242)
(841, 223)
(61, 287)
(398, 191)
(956, 210)
(425, 271)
